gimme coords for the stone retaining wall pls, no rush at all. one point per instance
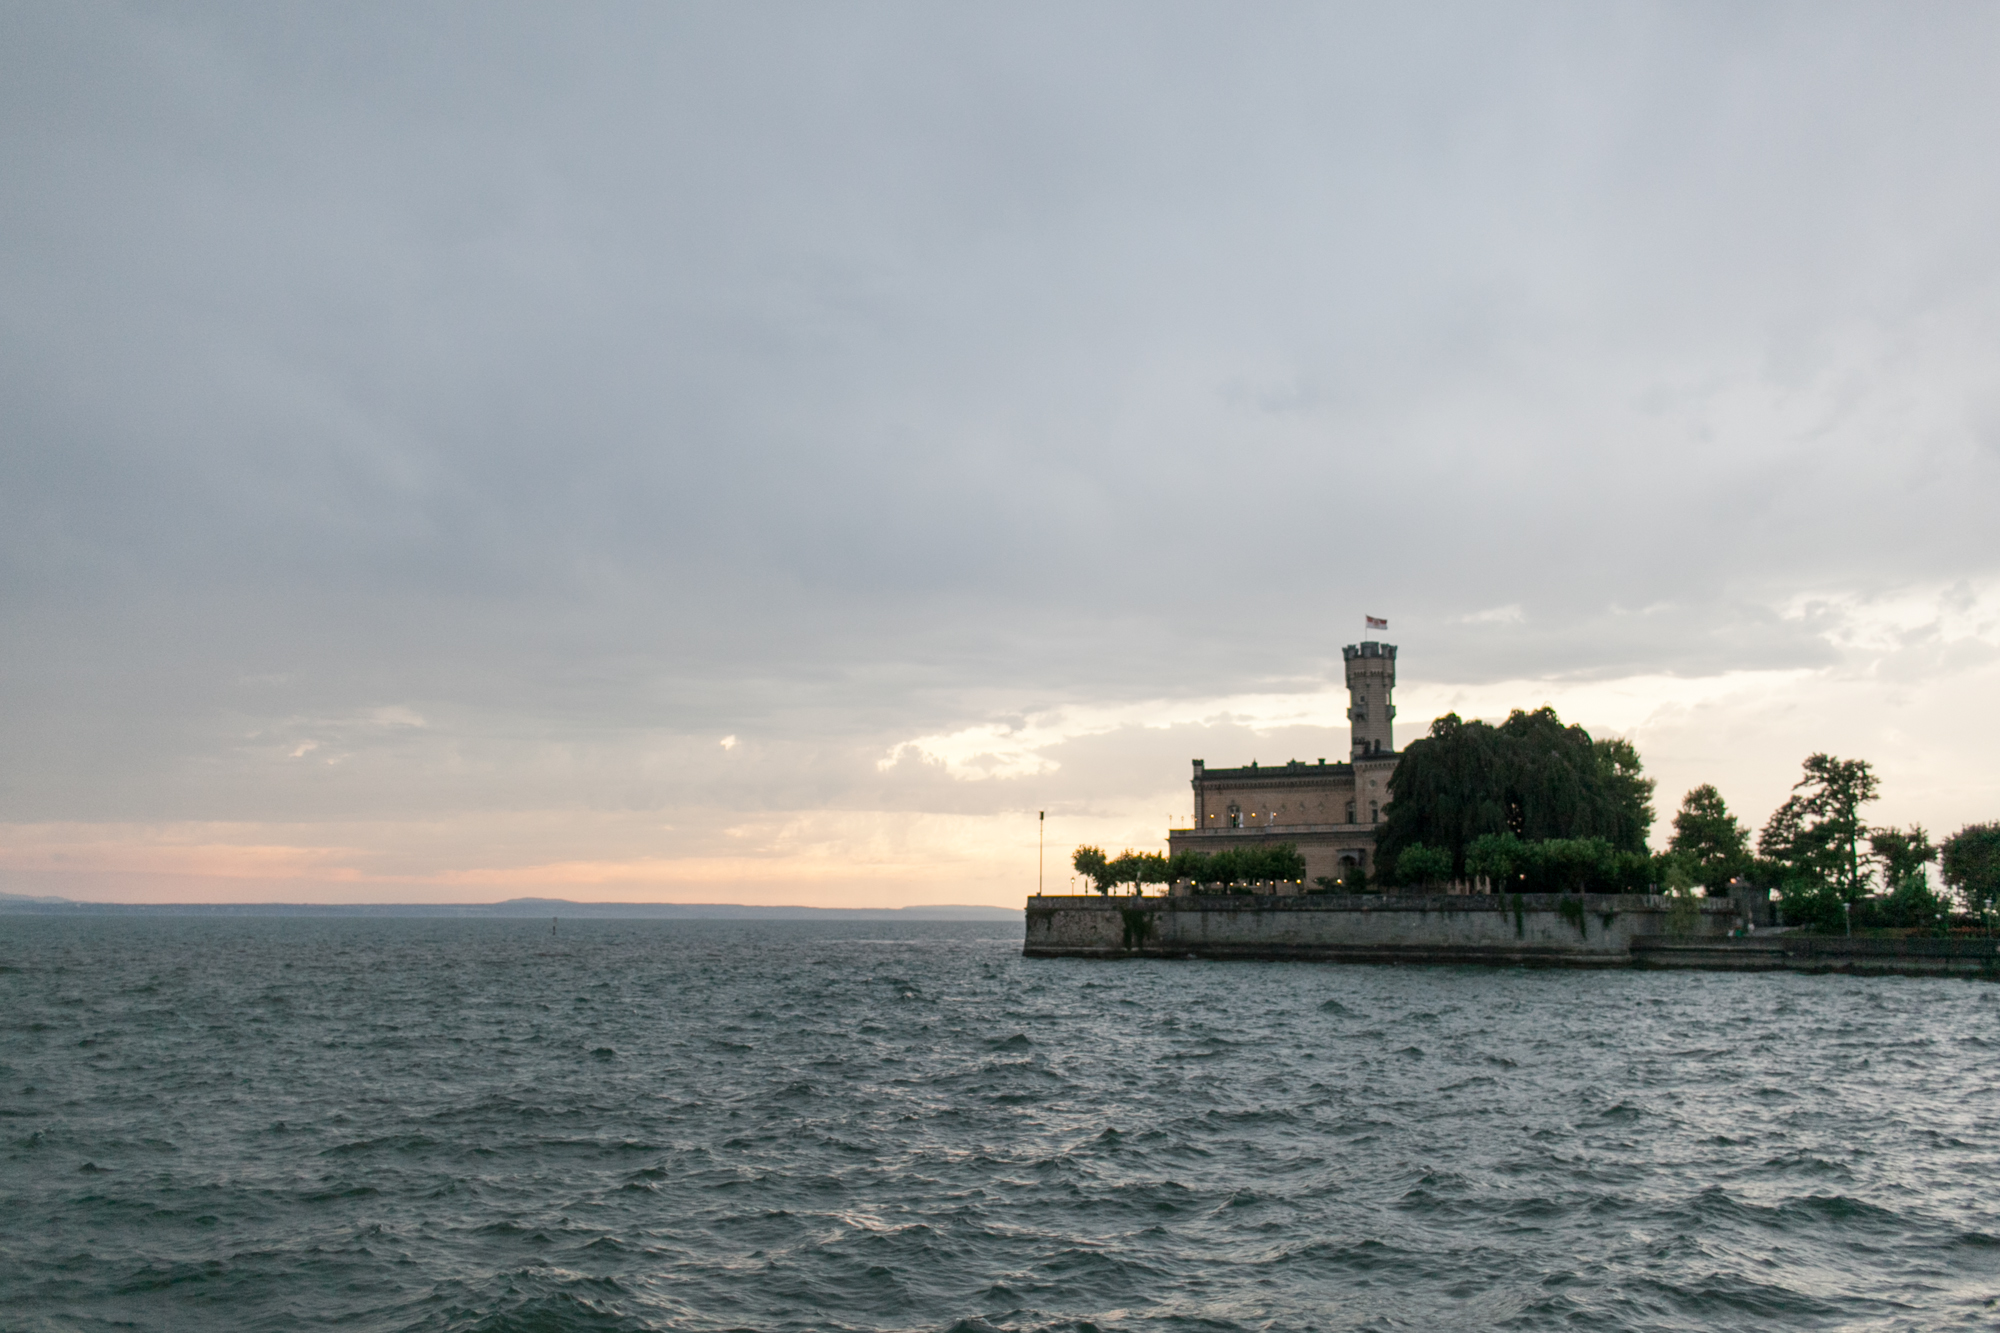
(1628, 930)
(1818, 953)
(1597, 930)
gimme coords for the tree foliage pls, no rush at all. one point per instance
(1093, 865)
(1239, 866)
(1903, 854)
(1815, 836)
(1815, 904)
(1137, 869)
(1713, 841)
(1418, 865)
(1908, 901)
(1970, 862)
(1630, 790)
(1353, 878)
(1531, 776)
(1561, 865)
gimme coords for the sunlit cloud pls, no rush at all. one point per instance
(1016, 750)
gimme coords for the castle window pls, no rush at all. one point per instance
(1374, 812)
(1350, 812)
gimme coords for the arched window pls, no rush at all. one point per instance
(1236, 816)
(1374, 812)
(1350, 812)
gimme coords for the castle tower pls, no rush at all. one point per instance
(1371, 686)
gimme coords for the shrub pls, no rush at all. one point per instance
(1815, 905)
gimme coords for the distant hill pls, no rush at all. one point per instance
(15, 903)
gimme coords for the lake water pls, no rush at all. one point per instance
(470, 1125)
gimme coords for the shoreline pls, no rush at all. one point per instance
(1633, 931)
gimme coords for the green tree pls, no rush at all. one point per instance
(1497, 857)
(1531, 776)
(1903, 856)
(1561, 786)
(1970, 863)
(1284, 861)
(1280, 861)
(1629, 790)
(1713, 841)
(1816, 834)
(1093, 865)
(1575, 865)
(1563, 865)
(1449, 788)
(1226, 868)
(1417, 865)
(1815, 904)
(1137, 869)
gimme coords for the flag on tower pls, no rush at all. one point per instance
(1376, 622)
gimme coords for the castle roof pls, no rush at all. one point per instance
(1291, 770)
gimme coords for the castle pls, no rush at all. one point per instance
(1329, 811)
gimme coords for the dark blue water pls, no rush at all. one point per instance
(450, 1125)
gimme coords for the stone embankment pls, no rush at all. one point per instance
(1786, 952)
(1625, 930)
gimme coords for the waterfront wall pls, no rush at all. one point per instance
(1630, 930)
(1597, 931)
(1954, 957)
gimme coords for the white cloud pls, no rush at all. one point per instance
(1510, 614)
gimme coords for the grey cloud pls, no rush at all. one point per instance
(823, 374)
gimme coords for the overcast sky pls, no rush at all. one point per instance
(765, 453)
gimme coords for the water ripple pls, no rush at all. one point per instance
(458, 1126)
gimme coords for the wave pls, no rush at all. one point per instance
(773, 1129)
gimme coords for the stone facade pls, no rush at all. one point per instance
(1328, 810)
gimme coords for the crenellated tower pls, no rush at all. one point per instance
(1371, 692)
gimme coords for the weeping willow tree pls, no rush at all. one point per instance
(1531, 776)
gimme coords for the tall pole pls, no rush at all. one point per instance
(1041, 838)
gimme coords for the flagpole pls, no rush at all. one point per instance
(1041, 836)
